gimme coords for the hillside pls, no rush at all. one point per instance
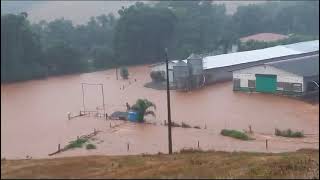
(300, 164)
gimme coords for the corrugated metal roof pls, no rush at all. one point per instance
(181, 63)
(230, 59)
(259, 54)
(303, 66)
(308, 46)
(267, 37)
(246, 57)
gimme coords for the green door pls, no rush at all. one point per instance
(266, 83)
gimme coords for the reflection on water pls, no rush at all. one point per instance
(34, 116)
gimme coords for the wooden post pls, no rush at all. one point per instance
(198, 145)
(69, 116)
(84, 108)
(250, 130)
(104, 109)
(266, 143)
(127, 146)
(58, 147)
(94, 130)
(110, 125)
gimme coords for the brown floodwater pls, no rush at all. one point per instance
(34, 117)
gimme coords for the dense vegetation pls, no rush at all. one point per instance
(142, 107)
(140, 35)
(235, 134)
(288, 133)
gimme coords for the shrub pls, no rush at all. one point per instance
(184, 125)
(235, 134)
(91, 146)
(197, 127)
(124, 73)
(288, 133)
(157, 76)
(76, 144)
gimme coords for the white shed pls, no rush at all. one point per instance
(288, 76)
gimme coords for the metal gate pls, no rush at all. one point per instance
(266, 83)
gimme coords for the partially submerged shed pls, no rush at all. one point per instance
(295, 76)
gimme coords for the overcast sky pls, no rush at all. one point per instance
(79, 11)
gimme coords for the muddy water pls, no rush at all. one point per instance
(34, 117)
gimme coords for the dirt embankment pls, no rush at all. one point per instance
(300, 164)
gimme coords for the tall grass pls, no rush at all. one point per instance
(288, 133)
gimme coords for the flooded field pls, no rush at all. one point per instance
(34, 117)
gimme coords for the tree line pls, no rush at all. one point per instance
(140, 34)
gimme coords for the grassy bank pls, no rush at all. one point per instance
(300, 164)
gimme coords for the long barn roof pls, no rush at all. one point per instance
(304, 66)
(230, 59)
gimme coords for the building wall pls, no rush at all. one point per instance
(225, 73)
(245, 75)
(162, 67)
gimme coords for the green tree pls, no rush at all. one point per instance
(142, 33)
(142, 106)
(62, 59)
(21, 54)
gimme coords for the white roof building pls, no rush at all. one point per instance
(230, 59)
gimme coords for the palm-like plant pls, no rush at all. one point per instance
(142, 106)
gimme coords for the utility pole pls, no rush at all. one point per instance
(168, 103)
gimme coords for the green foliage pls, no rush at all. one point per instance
(103, 57)
(288, 133)
(141, 106)
(297, 17)
(141, 33)
(294, 38)
(91, 146)
(76, 144)
(235, 134)
(157, 76)
(21, 56)
(124, 73)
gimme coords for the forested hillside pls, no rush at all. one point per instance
(140, 34)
